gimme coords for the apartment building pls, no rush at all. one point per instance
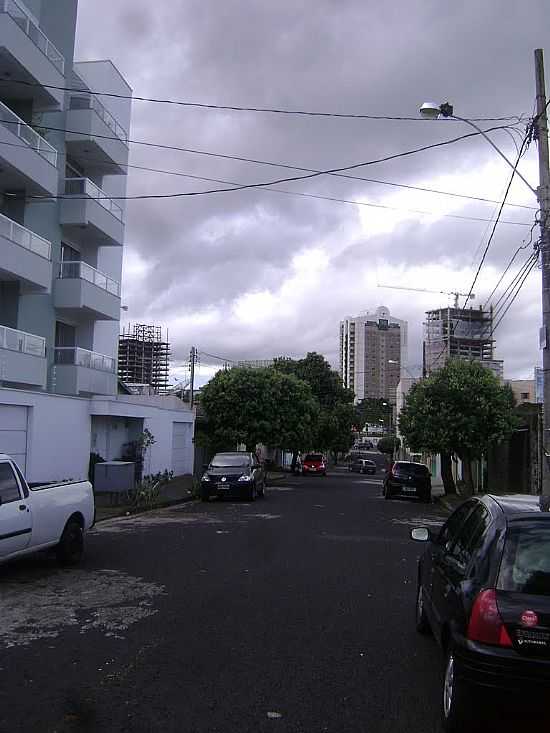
(63, 156)
(459, 333)
(373, 346)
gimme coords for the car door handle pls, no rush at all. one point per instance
(22, 507)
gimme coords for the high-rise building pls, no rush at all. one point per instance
(373, 346)
(144, 357)
(62, 164)
(459, 333)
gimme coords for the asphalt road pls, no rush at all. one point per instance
(289, 614)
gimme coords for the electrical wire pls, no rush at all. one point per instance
(264, 184)
(526, 275)
(507, 294)
(219, 358)
(236, 108)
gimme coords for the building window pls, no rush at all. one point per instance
(525, 395)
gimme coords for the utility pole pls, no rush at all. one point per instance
(544, 204)
(193, 361)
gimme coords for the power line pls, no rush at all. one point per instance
(522, 246)
(526, 275)
(500, 305)
(235, 108)
(266, 183)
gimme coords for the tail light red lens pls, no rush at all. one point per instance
(485, 622)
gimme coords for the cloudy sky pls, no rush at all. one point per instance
(257, 273)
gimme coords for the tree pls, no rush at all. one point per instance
(458, 410)
(337, 415)
(388, 445)
(254, 406)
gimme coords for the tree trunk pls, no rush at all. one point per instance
(447, 474)
(467, 475)
(294, 461)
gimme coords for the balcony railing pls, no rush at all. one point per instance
(75, 356)
(83, 271)
(16, 125)
(89, 101)
(26, 343)
(23, 19)
(84, 187)
(25, 238)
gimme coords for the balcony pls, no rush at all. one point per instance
(27, 161)
(82, 291)
(24, 255)
(78, 371)
(27, 54)
(22, 358)
(97, 141)
(89, 215)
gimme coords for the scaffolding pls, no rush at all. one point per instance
(459, 333)
(144, 357)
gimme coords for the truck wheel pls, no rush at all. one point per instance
(71, 545)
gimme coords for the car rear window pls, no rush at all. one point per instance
(525, 566)
(413, 469)
(313, 457)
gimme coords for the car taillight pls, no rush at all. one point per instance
(485, 622)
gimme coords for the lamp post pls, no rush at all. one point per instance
(431, 111)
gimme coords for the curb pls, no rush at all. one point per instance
(131, 511)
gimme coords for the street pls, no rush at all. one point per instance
(293, 613)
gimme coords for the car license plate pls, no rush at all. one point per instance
(223, 486)
(408, 490)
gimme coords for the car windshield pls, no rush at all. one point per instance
(313, 457)
(228, 460)
(525, 566)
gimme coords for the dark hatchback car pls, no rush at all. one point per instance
(236, 475)
(408, 479)
(484, 591)
(362, 465)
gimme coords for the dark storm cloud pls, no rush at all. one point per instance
(346, 56)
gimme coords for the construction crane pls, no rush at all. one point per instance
(457, 295)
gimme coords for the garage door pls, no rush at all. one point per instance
(181, 445)
(13, 433)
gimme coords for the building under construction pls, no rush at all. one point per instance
(459, 333)
(144, 357)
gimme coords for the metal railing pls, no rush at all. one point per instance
(26, 343)
(89, 101)
(24, 20)
(85, 187)
(71, 270)
(75, 356)
(25, 238)
(24, 132)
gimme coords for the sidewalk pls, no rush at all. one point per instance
(174, 492)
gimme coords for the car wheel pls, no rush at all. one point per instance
(422, 623)
(251, 493)
(456, 701)
(71, 545)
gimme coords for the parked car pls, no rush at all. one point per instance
(484, 591)
(362, 465)
(408, 479)
(236, 475)
(314, 463)
(44, 516)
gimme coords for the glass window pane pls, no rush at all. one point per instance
(9, 490)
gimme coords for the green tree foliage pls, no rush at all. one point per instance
(459, 410)
(373, 411)
(388, 445)
(337, 415)
(254, 406)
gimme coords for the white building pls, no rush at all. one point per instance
(63, 157)
(373, 346)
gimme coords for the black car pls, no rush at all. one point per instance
(362, 465)
(235, 475)
(408, 479)
(484, 591)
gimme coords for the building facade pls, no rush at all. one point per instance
(373, 348)
(524, 390)
(63, 157)
(459, 333)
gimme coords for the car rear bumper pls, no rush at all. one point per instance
(230, 490)
(396, 488)
(503, 671)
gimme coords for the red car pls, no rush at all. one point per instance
(314, 463)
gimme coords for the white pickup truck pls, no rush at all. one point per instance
(44, 516)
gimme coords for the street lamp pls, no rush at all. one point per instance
(432, 111)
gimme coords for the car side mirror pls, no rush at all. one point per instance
(420, 534)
